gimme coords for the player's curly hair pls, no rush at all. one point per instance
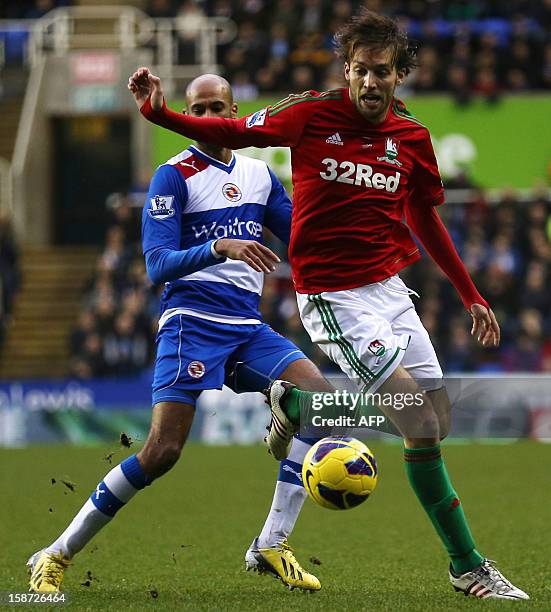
(368, 28)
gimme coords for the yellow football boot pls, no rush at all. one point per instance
(280, 562)
(46, 571)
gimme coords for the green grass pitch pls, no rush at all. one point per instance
(185, 537)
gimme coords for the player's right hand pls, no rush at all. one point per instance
(143, 84)
(256, 255)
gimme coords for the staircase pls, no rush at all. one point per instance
(10, 111)
(46, 308)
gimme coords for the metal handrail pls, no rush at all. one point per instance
(60, 30)
(56, 30)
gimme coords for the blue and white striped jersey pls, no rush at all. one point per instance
(193, 200)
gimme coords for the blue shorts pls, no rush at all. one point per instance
(195, 354)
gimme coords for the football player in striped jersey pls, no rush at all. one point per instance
(202, 230)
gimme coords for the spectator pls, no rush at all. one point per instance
(161, 8)
(459, 86)
(122, 215)
(9, 271)
(86, 325)
(286, 12)
(190, 20)
(486, 84)
(125, 348)
(243, 88)
(312, 16)
(535, 294)
(302, 78)
(89, 362)
(279, 41)
(115, 257)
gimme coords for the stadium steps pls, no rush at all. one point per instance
(10, 111)
(46, 308)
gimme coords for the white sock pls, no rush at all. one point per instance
(288, 498)
(118, 487)
(81, 530)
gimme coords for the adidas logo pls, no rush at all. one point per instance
(335, 139)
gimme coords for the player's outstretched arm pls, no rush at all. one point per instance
(256, 255)
(428, 227)
(229, 133)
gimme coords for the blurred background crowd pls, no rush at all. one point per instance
(465, 49)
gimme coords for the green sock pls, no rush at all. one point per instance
(295, 402)
(300, 403)
(429, 479)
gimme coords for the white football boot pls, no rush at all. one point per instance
(486, 582)
(281, 429)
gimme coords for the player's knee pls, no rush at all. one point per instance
(422, 423)
(441, 403)
(159, 459)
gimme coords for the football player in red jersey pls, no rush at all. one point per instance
(361, 163)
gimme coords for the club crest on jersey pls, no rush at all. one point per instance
(231, 192)
(257, 118)
(161, 207)
(196, 369)
(391, 152)
(377, 347)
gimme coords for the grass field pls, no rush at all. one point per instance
(185, 537)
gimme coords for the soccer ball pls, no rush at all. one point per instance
(339, 473)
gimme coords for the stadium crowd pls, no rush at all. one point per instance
(507, 249)
(466, 47)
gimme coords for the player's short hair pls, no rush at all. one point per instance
(370, 29)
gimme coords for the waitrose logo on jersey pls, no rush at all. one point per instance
(358, 174)
(234, 227)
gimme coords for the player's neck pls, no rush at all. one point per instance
(219, 153)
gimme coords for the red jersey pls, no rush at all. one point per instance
(351, 181)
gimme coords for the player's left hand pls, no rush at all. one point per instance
(485, 326)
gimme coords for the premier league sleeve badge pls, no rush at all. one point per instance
(161, 207)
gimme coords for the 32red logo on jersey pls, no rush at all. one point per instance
(358, 174)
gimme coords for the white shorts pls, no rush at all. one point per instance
(368, 331)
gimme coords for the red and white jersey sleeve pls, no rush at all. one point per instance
(278, 125)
